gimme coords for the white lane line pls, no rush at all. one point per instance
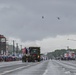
(45, 73)
(5, 72)
(67, 72)
(8, 65)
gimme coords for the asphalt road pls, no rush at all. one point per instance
(22, 68)
(48, 67)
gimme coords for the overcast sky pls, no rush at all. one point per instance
(22, 21)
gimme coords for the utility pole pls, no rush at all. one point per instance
(21, 48)
(13, 47)
(0, 45)
(17, 48)
(67, 47)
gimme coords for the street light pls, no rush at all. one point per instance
(71, 39)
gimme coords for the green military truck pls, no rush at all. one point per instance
(32, 54)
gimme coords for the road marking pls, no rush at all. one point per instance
(5, 72)
(8, 65)
(67, 72)
(45, 72)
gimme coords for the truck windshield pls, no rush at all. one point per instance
(34, 51)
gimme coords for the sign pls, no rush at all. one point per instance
(3, 40)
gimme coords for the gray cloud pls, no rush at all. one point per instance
(23, 18)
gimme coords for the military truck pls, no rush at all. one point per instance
(31, 54)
